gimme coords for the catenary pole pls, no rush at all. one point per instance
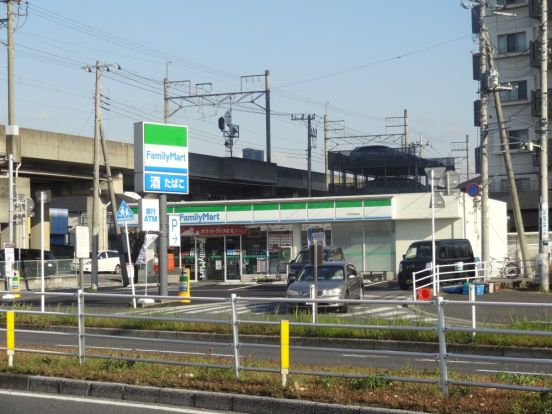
(267, 115)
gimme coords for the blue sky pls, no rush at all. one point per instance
(362, 60)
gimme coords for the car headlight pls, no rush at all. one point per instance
(331, 292)
(429, 265)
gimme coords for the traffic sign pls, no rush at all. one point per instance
(124, 213)
(473, 189)
(174, 230)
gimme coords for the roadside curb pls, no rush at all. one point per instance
(181, 397)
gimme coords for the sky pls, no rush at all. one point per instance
(358, 61)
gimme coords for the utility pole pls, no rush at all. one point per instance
(543, 225)
(483, 130)
(310, 135)
(96, 204)
(163, 219)
(96, 186)
(493, 85)
(13, 141)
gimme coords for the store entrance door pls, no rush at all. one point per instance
(222, 258)
(214, 258)
(233, 248)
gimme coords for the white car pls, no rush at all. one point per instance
(108, 262)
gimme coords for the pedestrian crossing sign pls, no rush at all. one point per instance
(124, 213)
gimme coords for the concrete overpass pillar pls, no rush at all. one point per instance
(35, 227)
(103, 226)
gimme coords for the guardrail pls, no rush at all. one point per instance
(449, 273)
(473, 271)
(441, 357)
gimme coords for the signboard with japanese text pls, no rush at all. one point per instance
(149, 214)
(160, 158)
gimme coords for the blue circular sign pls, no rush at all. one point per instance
(473, 189)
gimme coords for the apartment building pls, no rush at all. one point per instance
(513, 27)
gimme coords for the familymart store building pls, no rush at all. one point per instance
(241, 240)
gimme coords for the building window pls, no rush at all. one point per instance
(522, 184)
(512, 43)
(518, 92)
(509, 2)
(517, 137)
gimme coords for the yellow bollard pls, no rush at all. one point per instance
(10, 336)
(284, 351)
(184, 285)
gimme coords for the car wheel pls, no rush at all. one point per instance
(117, 269)
(345, 306)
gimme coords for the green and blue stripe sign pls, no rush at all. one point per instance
(286, 212)
(161, 158)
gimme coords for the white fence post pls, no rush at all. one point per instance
(80, 318)
(235, 336)
(443, 381)
(472, 299)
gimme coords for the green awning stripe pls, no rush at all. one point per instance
(200, 209)
(321, 204)
(378, 203)
(265, 207)
(348, 204)
(238, 207)
(293, 206)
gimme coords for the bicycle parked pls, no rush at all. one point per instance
(510, 269)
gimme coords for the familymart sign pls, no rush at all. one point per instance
(286, 212)
(160, 158)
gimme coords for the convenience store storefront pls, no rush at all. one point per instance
(243, 240)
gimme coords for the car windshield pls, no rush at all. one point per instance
(324, 273)
(421, 251)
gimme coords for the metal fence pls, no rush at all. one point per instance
(437, 305)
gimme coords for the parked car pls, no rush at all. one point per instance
(108, 262)
(336, 280)
(448, 252)
(28, 262)
(331, 254)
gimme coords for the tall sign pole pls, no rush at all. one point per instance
(543, 227)
(161, 167)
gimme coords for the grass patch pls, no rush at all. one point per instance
(373, 389)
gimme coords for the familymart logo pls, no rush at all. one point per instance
(200, 218)
(165, 156)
